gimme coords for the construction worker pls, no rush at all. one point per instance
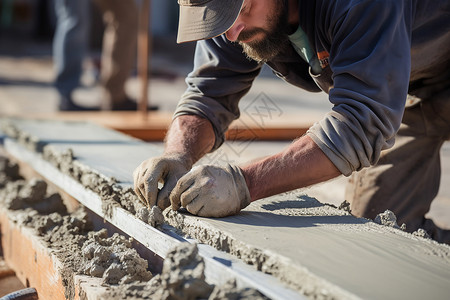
(369, 56)
(118, 51)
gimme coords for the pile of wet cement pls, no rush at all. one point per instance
(112, 258)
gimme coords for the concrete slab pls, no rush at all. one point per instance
(316, 249)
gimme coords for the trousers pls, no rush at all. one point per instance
(118, 48)
(70, 43)
(406, 178)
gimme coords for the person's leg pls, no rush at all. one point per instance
(406, 178)
(69, 47)
(118, 51)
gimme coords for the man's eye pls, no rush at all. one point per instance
(245, 9)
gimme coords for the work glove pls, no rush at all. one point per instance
(166, 169)
(211, 191)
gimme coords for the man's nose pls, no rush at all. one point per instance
(233, 33)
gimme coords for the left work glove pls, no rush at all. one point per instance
(211, 191)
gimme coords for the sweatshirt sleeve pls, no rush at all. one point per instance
(222, 75)
(370, 61)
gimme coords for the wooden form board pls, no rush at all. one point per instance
(35, 266)
(358, 258)
(153, 125)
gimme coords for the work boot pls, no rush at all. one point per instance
(128, 105)
(67, 104)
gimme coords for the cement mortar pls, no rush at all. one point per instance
(183, 278)
(8, 171)
(154, 216)
(21, 194)
(111, 193)
(387, 218)
(113, 259)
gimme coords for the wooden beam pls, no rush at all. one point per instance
(33, 262)
(155, 125)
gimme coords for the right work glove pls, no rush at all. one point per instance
(212, 191)
(165, 169)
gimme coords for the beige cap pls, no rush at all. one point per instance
(204, 19)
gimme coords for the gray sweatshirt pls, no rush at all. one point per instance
(372, 53)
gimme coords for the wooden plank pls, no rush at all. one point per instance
(34, 264)
(153, 125)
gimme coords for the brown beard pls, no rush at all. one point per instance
(274, 40)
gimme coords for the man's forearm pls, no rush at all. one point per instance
(190, 135)
(300, 165)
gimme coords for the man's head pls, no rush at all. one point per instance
(260, 26)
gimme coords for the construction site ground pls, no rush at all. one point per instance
(26, 90)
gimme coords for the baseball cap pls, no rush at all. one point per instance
(204, 19)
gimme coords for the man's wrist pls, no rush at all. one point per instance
(182, 157)
(248, 182)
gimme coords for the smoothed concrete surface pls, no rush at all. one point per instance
(319, 245)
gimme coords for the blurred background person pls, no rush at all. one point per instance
(118, 54)
(70, 44)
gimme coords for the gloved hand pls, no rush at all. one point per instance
(166, 169)
(211, 191)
